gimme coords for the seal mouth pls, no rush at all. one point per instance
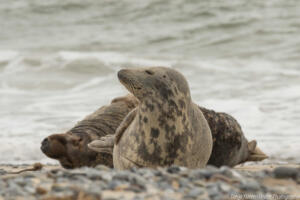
(130, 83)
(66, 163)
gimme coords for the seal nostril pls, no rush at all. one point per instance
(45, 142)
(45, 146)
(121, 74)
(149, 72)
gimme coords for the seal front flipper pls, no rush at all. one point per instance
(103, 145)
(255, 153)
(125, 123)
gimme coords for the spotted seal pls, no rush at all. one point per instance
(166, 128)
(70, 148)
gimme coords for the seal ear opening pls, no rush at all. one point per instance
(74, 139)
(255, 153)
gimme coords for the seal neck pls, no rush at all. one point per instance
(168, 106)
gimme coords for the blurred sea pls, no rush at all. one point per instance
(58, 63)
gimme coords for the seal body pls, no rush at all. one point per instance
(166, 128)
(71, 149)
(230, 146)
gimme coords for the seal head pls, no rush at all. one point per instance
(158, 81)
(69, 149)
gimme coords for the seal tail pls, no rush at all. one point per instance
(256, 153)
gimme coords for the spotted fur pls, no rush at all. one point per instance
(175, 131)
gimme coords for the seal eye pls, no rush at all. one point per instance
(149, 72)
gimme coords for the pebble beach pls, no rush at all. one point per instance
(242, 182)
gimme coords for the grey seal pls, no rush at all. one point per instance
(70, 148)
(166, 128)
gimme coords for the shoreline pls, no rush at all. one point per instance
(254, 166)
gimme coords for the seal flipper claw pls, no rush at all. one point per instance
(103, 145)
(125, 123)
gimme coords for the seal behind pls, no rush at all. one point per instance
(71, 149)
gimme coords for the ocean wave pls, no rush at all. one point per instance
(89, 84)
(8, 55)
(195, 28)
(113, 59)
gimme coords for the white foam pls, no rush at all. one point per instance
(113, 58)
(89, 84)
(16, 151)
(8, 55)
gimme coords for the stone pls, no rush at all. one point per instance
(173, 169)
(226, 171)
(202, 173)
(212, 189)
(285, 172)
(132, 178)
(40, 190)
(102, 168)
(3, 172)
(195, 193)
(225, 187)
(249, 185)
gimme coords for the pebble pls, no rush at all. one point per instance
(195, 193)
(102, 168)
(225, 187)
(250, 185)
(2, 172)
(20, 181)
(41, 190)
(213, 189)
(224, 170)
(199, 174)
(206, 173)
(286, 172)
(173, 169)
(131, 177)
